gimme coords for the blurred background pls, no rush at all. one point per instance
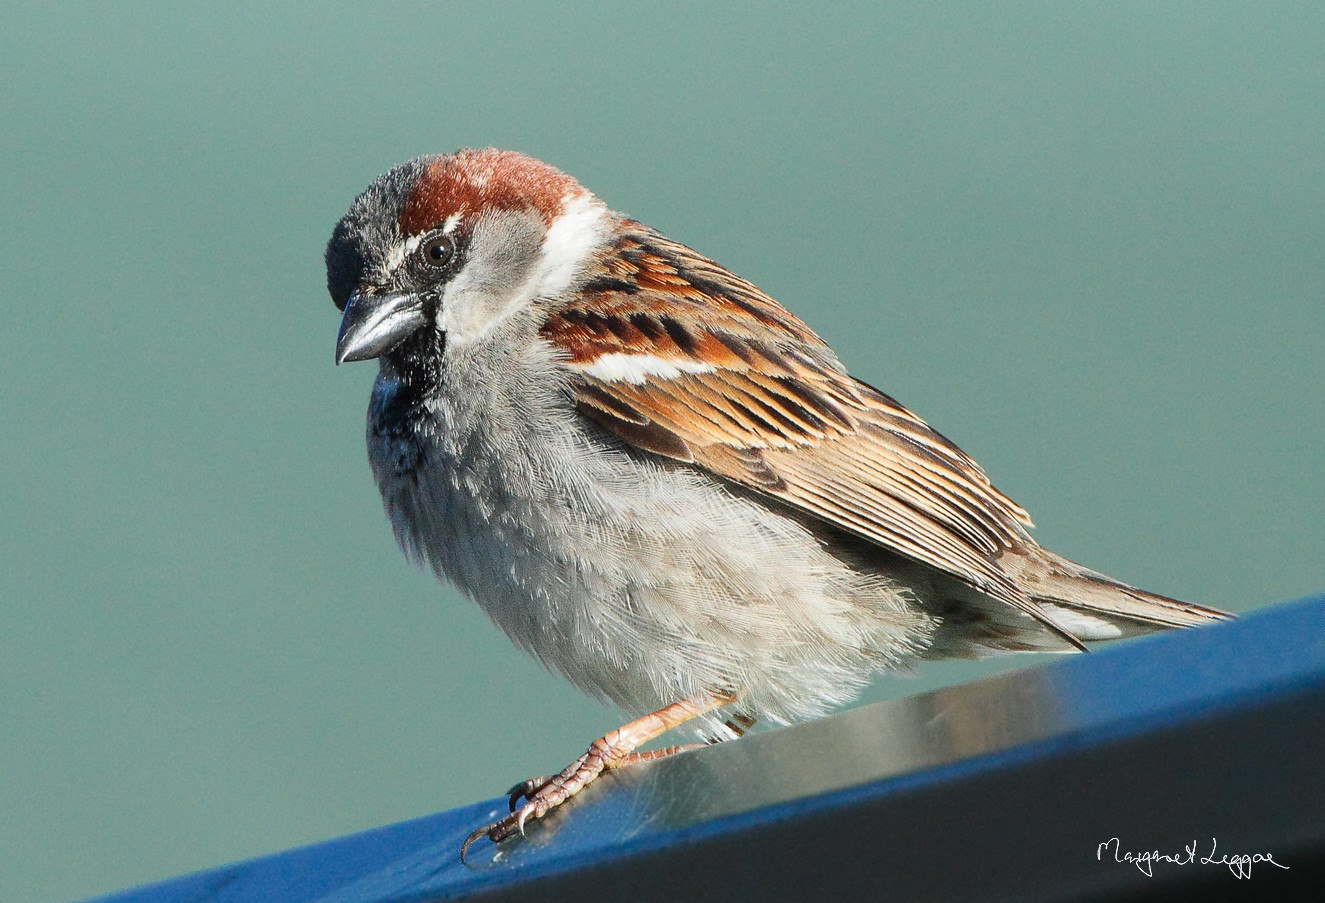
(1084, 241)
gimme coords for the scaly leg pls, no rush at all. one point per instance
(616, 749)
(737, 724)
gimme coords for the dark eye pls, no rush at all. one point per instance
(438, 251)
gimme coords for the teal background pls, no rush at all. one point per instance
(1083, 240)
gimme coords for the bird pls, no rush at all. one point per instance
(661, 483)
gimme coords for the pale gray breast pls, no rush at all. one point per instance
(642, 581)
(490, 480)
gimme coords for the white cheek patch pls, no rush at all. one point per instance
(574, 234)
(513, 263)
(638, 368)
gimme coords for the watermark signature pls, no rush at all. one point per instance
(1240, 864)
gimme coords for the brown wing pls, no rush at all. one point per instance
(676, 356)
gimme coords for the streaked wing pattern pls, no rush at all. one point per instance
(755, 397)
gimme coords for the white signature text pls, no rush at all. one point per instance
(1238, 863)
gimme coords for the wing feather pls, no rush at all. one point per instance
(732, 383)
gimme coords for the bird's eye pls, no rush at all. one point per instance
(437, 252)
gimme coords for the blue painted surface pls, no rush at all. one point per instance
(870, 752)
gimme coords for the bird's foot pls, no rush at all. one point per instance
(614, 750)
(542, 795)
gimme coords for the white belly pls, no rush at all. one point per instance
(643, 583)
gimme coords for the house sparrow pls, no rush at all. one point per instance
(661, 483)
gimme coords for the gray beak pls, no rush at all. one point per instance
(374, 324)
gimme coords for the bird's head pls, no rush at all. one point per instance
(442, 248)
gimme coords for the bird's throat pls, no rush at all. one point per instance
(417, 361)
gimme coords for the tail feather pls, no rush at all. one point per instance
(1087, 602)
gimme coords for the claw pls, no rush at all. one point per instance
(525, 811)
(525, 789)
(496, 831)
(513, 795)
(473, 836)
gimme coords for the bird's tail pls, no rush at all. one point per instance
(1093, 606)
